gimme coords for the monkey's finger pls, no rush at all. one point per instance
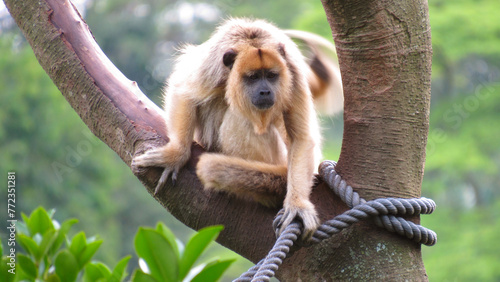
(137, 162)
(152, 157)
(307, 234)
(287, 218)
(310, 222)
(278, 221)
(163, 180)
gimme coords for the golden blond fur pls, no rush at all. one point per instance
(253, 150)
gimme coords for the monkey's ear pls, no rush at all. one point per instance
(229, 58)
(281, 50)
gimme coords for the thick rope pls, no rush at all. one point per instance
(398, 225)
(383, 211)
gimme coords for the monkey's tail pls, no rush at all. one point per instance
(324, 75)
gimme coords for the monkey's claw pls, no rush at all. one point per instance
(171, 160)
(164, 177)
(162, 181)
(174, 177)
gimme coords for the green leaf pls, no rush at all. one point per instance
(22, 228)
(47, 240)
(26, 219)
(52, 278)
(78, 244)
(169, 235)
(4, 268)
(39, 222)
(37, 238)
(140, 276)
(28, 266)
(28, 244)
(195, 247)
(104, 269)
(82, 251)
(120, 271)
(88, 253)
(61, 235)
(158, 253)
(96, 271)
(66, 266)
(213, 271)
(50, 212)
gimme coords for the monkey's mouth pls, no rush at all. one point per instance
(263, 103)
(264, 100)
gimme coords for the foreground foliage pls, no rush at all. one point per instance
(50, 255)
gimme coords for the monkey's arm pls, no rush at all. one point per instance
(181, 119)
(303, 131)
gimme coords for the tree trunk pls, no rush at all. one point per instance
(384, 52)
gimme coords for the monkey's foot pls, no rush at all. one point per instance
(307, 215)
(162, 157)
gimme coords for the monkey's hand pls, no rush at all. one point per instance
(172, 157)
(303, 211)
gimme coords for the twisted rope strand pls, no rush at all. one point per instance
(382, 210)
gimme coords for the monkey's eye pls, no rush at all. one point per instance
(271, 75)
(253, 76)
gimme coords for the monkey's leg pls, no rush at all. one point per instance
(262, 182)
(174, 155)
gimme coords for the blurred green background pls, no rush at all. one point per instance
(59, 164)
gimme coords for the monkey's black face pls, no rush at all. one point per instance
(260, 85)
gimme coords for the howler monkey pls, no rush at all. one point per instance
(244, 96)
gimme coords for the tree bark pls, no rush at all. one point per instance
(384, 51)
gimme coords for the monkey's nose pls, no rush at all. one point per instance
(265, 93)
